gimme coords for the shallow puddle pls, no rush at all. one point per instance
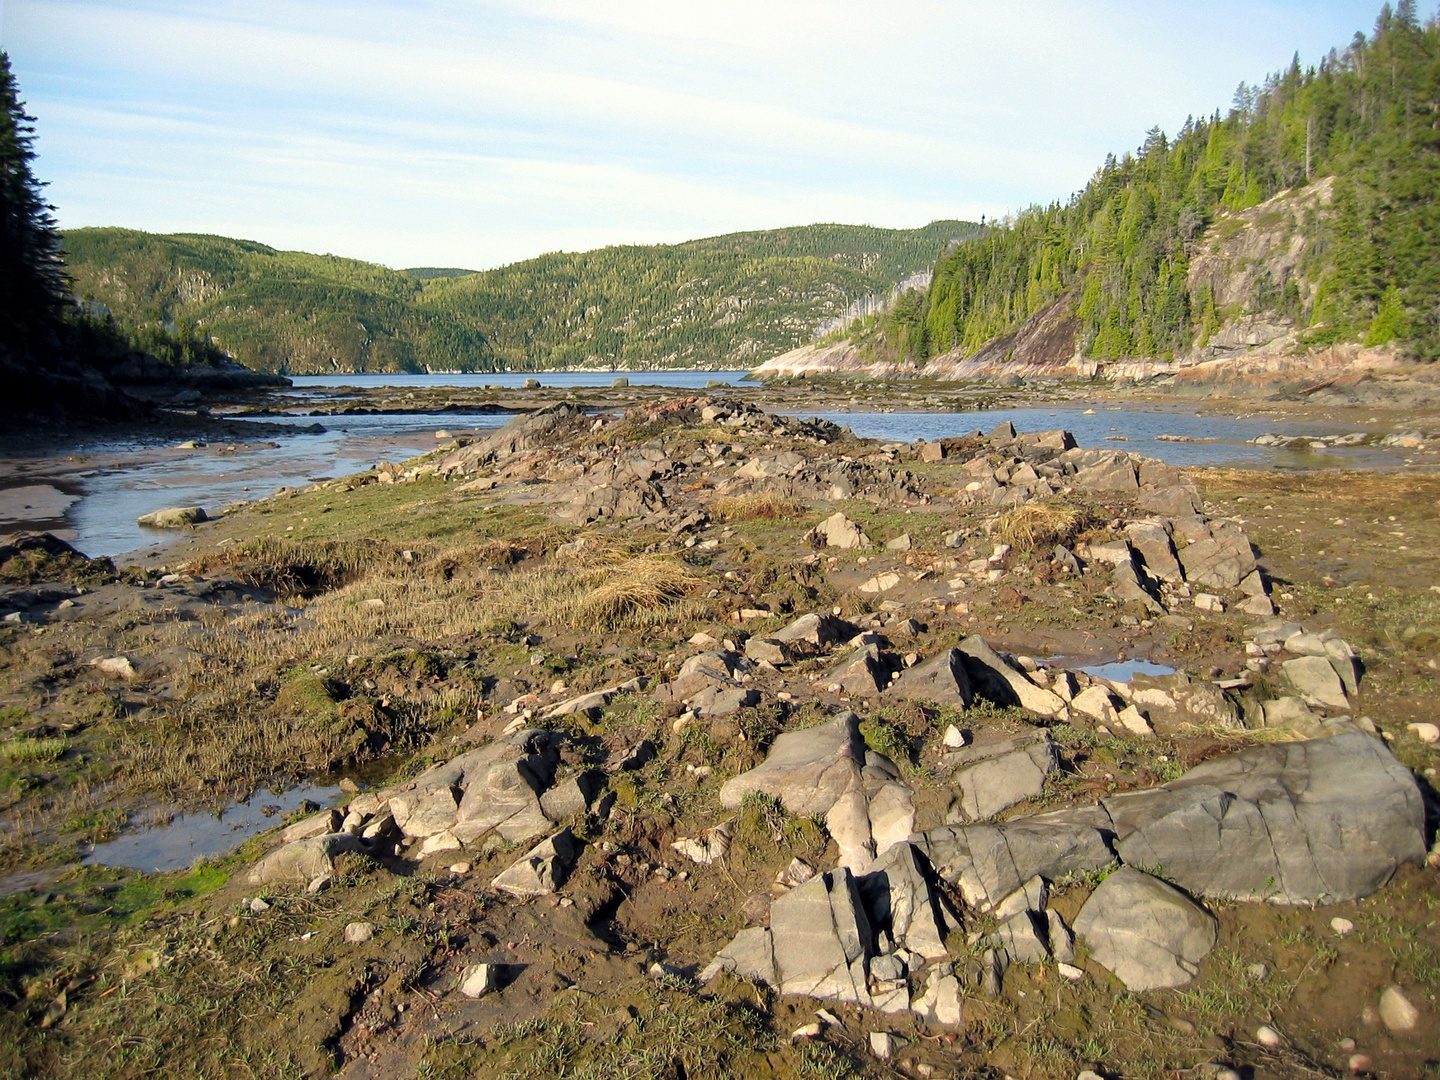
(176, 844)
(1125, 670)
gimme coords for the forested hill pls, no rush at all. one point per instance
(723, 301)
(1157, 256)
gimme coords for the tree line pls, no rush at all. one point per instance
(1367, 116)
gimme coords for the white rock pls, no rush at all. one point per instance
(1426, 733)
(118, 666)
(882, 1045)
(1070, 971)
(1397, 1011)
(477, 980)
(1134, 721)
(359, 932)
(954, 737)
(1094, 702)
(1341, 926)
(881, 583)
(1208, 602)
(1267, 1036)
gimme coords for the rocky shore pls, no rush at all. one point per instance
(693, 739)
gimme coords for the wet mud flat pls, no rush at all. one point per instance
(666, 598)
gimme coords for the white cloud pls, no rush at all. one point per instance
(477, 132)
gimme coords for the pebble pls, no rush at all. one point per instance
(1266, 1035)
(1360, 1063)
(358, 932)
(1426, 733)
(1347, 1045)
(1088, 1074)
(1071, 972)
(259, 906)
(1258, 972)
(1341, 926)
(954, 737)
(1396, 1010)
(882, 1045)
(460, 868)
(807, 1031)
(318, 884)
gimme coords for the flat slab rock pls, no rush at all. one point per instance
(1013, 772)
(989, 862)
(806, 770)
(1149, 933)
(1322, 821)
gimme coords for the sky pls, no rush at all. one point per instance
(474, 133)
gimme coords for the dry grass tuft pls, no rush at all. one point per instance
(628, 595)
(765, 506)
(301, 568)
(1040, 525)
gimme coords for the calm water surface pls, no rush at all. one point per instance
(691, 380)
(135, 480)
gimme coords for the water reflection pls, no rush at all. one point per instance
(176, 844)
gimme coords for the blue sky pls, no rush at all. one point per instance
(477, 132)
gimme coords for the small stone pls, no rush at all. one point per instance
(357, 933)
(477, 980)
(883, 1045)
(1341, 926)
(259, 906)
(954, 738)
(1426, 733)
(1360, 1064)
(1396, 1010)
(318, 884)
(1267, 1036)
(1258, 972)
(1088, 1074)
(807, 1031)
(1347, 1044)
(460, 868)
(1070, 971)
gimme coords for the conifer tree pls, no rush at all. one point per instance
(32, 278)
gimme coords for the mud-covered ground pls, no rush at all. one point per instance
(368, 627)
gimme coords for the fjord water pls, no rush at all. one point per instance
(687, 379)
(127, 480)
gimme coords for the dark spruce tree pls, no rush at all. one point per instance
(32, 277)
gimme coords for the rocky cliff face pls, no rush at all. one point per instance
(1255, 270)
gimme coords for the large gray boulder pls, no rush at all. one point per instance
(902, 901)
(1315, 677)
(1322, 821)
(1150, 934)
(1004, 774)
(821, 939)
(840, 532)
(542, 869)
(1151, 540)
(815, 631)
(806, 770)
(992, 677)
(863, 673)
(942, 680)
(1113, 473)
(989, 862)
(529, 431)
(1220, 561)
(303, 860)
(173, 517)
